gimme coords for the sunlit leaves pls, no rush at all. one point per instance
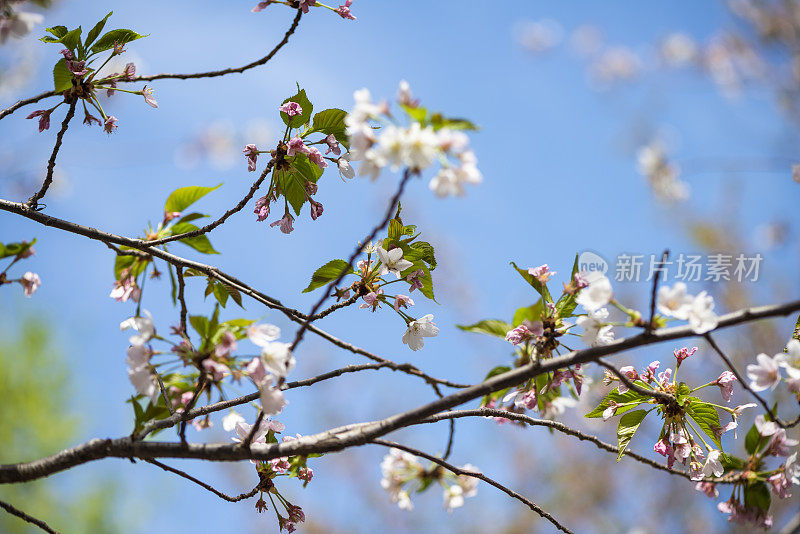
(328, 273)
(182, 198)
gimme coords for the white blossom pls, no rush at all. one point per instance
(597, 294)
(765, 374)
(595, 331)
(419, 329)
(702, 318)
(392, 261)
(674, 301)
(143, 325)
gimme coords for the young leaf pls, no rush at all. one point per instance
(420, 250)
(200, 325)
(308, 170)
(14, 249)
(615, 396)
(58, 31)
(706, 417)
(94, 32)
(493, 327)
(298, 120)
(528, 313)
(328, 273)
(107, 41)
(536, 284)
(292, 185)
(499, 370)
(329, 121)
(200, 242)
(757, 496)
(182, 198)
(62, 77)
(71, 39)
(628, 425)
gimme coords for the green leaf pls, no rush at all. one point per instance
(614, 395)
(292, 186)
(58, 31)
(536, 284)
(329, 121)
(328, 273)
(306, 168)
(15, 249)
(706, 417)
(529, 313)
(731, 463)
(200, 325)
(298, 120)
(221, 294)
(182, 198)
(757, 496)
(499, 370)
(122, 36)
(192, 217)
(682, 392)
(628, 425)
(94, 32)
(753, 442)
(200, 242)
(493, 327)
(71, 39)
(421, 250)
(438, 122)
(417, 114)
(62, 77)
(566, 303)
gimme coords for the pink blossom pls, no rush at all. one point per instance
(780, 485)
(402, 301)
(30, 283)
(256, 371)
(780, 445)
(629, 372)
(305, 5)
(78, 68)
(316, 156)
(110, 91)
(611, 411)
(226, 344)
(316, 209)
(285, 223)
(147, 93)
(296, 145)
(279, 465)
(683, 353)
(649, 374)
(129, 72)
(415, 279)
(665, 377)
(215, 369)
(262, 208)
(305, 474)
(725, 383)
(372, 299)
(119, 48)
(251, 153)
(292, 108)
(344, 10)
(709, 488)
(519, 334)
(311, 188)
(66, 53)
(125, 288)
(261, 6)
(44, 118)
(110, 125)
(170, 215)
(541, 273)
(333, 145)
(581, 280)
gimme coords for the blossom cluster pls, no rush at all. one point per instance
(76, 80)
(402, 473)
(766, 373)
(306, 5)
(428, 138)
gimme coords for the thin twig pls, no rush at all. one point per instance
(25, 517)
(781, 423)
(201, 384)
(210, 488)
(215, 73)
(650, 326)
(182, 300)
(51, 164)
(463, 472)
(209, 227)
(20, 103)
(665, 398)
(252, 434)
(389, 211)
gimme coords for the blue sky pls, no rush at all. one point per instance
(560, 177)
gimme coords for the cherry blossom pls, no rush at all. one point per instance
(597, 294)
(765, 374)
(419, 329)
(291, 108)
(674, 301)
(392, 261)
(30, 282)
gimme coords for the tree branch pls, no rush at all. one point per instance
(51, 164)
(21, 103)
(210, 488)
(25, 517)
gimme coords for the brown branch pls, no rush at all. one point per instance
(20, 103)
(210, 488)
(664, 398)
(353, 435)
(25, 517)
(650, 326)
(389, 211)
(462, 472)
(51, 164)
(182, 300)
(216, 73)
(781, 423)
